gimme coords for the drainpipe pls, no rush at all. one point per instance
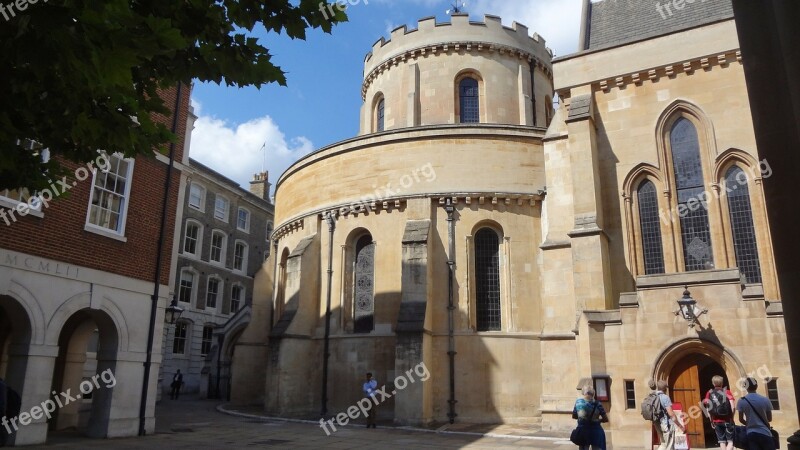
(451, 349)
(326, 352)
(532, 66)
(159, 261)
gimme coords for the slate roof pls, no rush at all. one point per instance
(616, 22)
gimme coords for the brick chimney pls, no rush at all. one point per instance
(260, 185)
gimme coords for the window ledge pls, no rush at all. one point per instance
(11, 204)
(688, 278)
(102, 232)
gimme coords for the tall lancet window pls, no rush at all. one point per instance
(363, 285)
(744, 233)
(652, 250)
(469, 102)
(487, 280)
(686, 162)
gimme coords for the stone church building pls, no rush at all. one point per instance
(521, 251)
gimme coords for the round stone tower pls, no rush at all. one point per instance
(417, 75)
(447, 171)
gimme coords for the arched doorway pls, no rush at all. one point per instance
(689, 381)
(85, 365)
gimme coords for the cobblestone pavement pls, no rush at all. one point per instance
(191, 423)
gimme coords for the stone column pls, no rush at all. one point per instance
(589, 241)
(410, 355)
(30, 371)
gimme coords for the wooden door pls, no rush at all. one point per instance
(685, 389)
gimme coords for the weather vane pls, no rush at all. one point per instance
(457, 8)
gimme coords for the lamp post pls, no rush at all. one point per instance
(173, 312)
(688, 309)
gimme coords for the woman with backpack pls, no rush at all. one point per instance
(719, 403)
(590, 414)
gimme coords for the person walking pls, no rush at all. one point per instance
(755, 411)
(590, 414)
(177, 382)
(370, 386)
(719, 403)
(667, 421)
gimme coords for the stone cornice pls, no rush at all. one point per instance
(359, 207)
(707, 63)
(447, 48)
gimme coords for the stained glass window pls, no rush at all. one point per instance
(364, 285)
(744, 234)
(468, 96)
(487, 279)
(650, 229)
(692, 200)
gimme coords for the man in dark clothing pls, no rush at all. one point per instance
(177, 382)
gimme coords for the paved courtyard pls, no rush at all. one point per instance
(191, 423)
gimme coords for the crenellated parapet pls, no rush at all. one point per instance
(460, 35)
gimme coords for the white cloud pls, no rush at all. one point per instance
(558, 21)
(238, 151)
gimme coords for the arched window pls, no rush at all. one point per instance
(379, 115)
(280, 297)
(469, 105)
(649, 222)
(744, 234)
(487, 280)
(692, 201)
(363, 285)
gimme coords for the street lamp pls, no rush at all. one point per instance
(688, 308)
(173, 312)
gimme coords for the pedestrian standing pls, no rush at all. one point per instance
(177, 382)
(590, 414)
(755, 411)
(370, 387)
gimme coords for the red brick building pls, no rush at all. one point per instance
(78, 270)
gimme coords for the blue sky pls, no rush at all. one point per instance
(322, 101)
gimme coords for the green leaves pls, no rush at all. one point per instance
(74, 72)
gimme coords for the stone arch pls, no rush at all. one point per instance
(705, 130)
(78, 355)
(30, 307)
(17, 333)
(83, 301)
(731, 157)
(638, 174)
(488, 223)
(672, 353)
